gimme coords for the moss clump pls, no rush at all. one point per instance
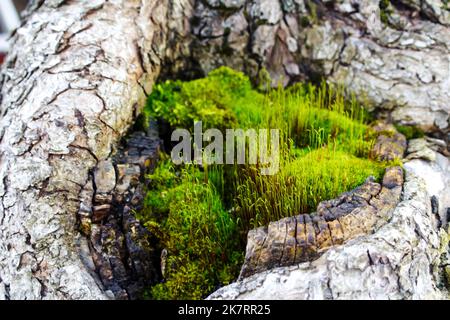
(313, 117)
(187, 215)
(201, 215)
(312, 10)
(209, 100)
(304, 21)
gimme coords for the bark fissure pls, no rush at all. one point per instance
(76, 79)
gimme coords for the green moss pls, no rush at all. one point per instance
(202, 215)
(385, 11)
(141, 123)
(304, 21)
(209, 100)
(410, 132)
(264, 80)
(187, 215)
(301, 184)
(308, 116)
(312, 10)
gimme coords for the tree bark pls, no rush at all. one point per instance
(398, 261)
(78, 73)
(72, 84)
(379, 249)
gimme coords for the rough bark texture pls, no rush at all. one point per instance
(77, 76)
(399, 67)
(306, 237)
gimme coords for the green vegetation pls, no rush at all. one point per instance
(200, 236)
(410, 132)
(209, 100)
(298, 188)
(312, 12)
(385, 11)
(202, 214)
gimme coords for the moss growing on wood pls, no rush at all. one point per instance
(187, 215)
(385, 11)
(301, 184)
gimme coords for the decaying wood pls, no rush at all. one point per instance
(398, 67)
(306, 237)
(77, 76)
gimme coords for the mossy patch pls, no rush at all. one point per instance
(300, 185)
(208, 100)
(187, 215)
(385, 11)
(202, 214)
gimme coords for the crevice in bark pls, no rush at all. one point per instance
(125, 254)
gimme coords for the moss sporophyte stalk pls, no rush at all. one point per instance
(262, 147)
(202, 205)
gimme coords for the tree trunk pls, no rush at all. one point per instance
(73, 83)
(397, 66)
(401, 260)
(78, 73)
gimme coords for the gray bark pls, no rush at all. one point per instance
(78, 73)
(399, 67)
